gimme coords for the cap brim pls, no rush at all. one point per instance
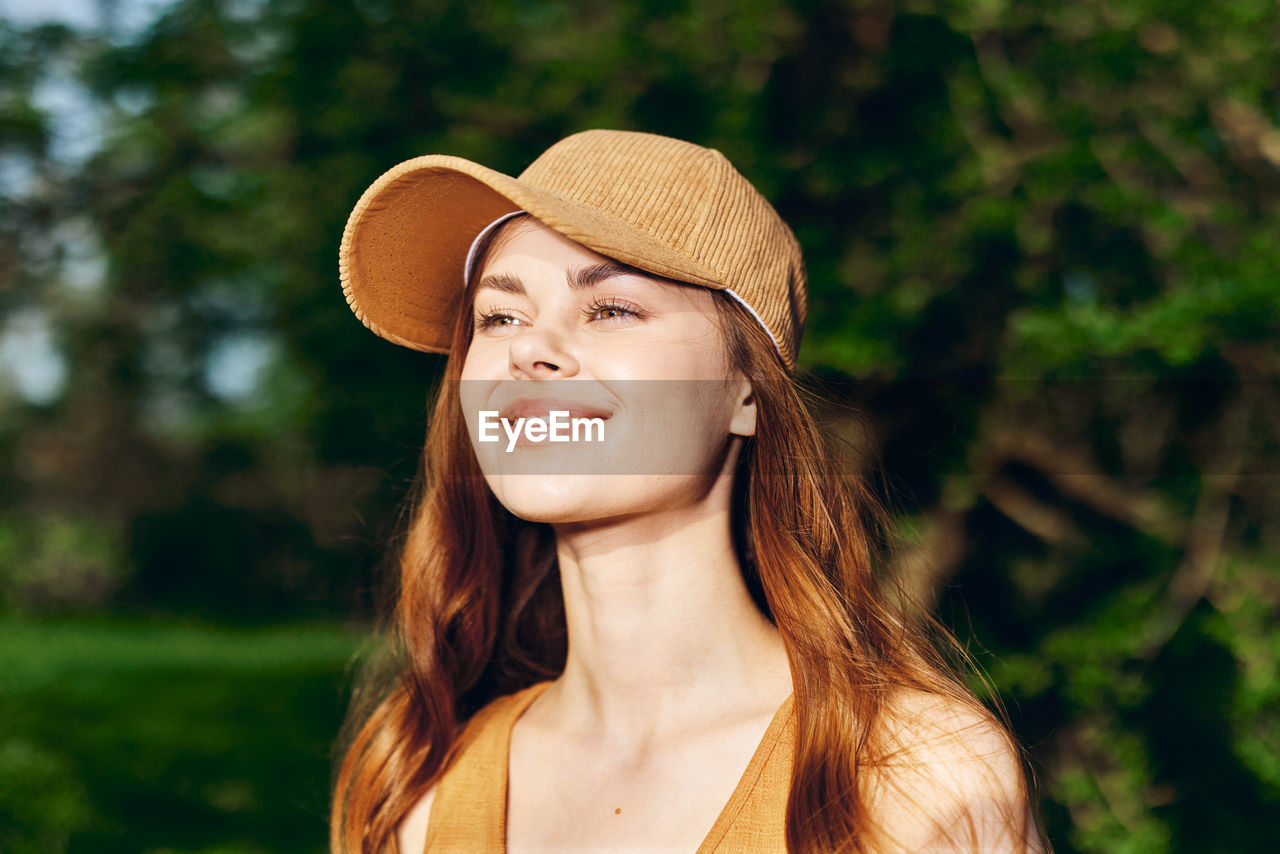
(405, 245)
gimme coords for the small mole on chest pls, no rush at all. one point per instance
(618, 811)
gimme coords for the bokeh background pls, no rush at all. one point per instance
(1044, 250)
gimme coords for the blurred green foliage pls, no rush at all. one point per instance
(1042, 242)
(152, 736)
(57, 561)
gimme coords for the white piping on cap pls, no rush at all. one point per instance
(475, 244)
(760, 321)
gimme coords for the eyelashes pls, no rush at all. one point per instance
(494, 318)
(605, 310)
(614, 308)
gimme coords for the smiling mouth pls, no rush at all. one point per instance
(542, 407)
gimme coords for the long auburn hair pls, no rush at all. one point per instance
(479, 614)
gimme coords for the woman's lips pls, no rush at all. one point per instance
(520, 427)
(542, 407)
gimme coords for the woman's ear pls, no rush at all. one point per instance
(743, 422)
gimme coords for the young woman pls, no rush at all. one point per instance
(666, 634)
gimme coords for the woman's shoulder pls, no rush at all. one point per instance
(412, 834)
(948, 776)
(946, 728)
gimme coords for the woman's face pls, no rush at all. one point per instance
(638, 362)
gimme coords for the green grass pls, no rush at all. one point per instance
(156, 737)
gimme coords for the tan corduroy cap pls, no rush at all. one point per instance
(662, 205)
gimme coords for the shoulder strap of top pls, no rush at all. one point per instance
(754, 819)
(469, 812)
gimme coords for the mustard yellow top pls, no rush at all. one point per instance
(469, 813)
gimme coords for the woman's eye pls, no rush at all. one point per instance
(613, 311)
(495, 320)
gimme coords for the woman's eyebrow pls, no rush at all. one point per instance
(579, 279)
(588, 277)
(504, 282)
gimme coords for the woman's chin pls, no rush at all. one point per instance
(574, 498)
(548, 498)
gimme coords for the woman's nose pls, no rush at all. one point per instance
(541, 354)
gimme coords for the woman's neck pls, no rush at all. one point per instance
(661, 625)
